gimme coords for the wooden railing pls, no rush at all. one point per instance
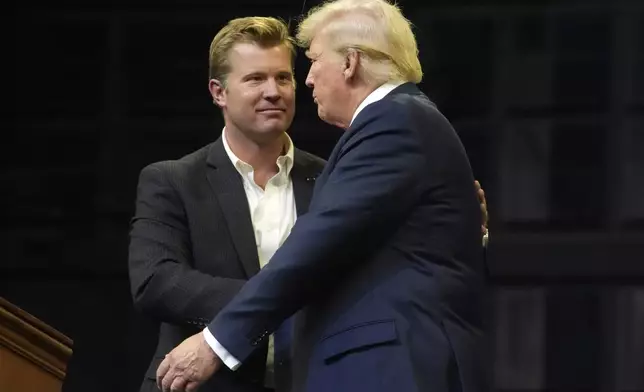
(33, 355)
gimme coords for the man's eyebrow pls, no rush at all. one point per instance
(254, 73)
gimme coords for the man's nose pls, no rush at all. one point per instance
(271, 91)
(309, 80)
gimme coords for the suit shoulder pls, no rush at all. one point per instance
(408, 104)
(183, 164)
(400, 109)
(310, 159)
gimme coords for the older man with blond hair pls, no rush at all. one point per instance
(385, 270)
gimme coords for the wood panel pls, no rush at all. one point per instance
(33, 355)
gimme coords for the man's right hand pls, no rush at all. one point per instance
(187, 366)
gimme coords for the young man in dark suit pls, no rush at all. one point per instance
(207, 222)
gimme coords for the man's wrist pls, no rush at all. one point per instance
(231, 362)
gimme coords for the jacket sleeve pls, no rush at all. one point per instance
(164, 283)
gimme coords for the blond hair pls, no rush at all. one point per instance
(375, 28)
(263, 31)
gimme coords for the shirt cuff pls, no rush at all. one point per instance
(221, 352)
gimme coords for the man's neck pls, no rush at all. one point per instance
(261, 156)
(358, 94)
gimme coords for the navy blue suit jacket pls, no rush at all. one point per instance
(386, 267)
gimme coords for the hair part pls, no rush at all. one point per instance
(376, 29)
(266, 32)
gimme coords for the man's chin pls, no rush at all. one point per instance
(321, 113)
(269, 133)
(329, 120)
(324, 116)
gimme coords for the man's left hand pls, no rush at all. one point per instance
(189, 365)
(481, 194)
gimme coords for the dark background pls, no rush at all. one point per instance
(548, 98)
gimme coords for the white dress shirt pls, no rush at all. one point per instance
(273, 214)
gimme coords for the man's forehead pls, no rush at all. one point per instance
(316, 46)
(248, 53)
(261, 69)
(256, 48)
(273, 66)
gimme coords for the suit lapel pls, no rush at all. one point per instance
(303, 175)
(229, 191)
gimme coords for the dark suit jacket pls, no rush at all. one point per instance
(192, 247)
(387, 263)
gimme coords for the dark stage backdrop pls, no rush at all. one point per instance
(548, 98)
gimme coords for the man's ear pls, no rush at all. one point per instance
(351, 63)
(218, 92)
